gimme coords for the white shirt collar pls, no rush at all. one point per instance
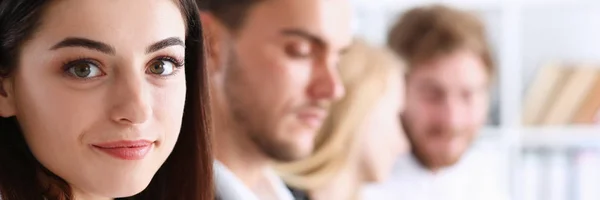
(230, 187)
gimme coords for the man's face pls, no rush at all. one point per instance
(279, 72)
(447, 104)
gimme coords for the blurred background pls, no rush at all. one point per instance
(544, 121)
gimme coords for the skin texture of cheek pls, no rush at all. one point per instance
(168, 112)
(55, 111)
(264, 81)
(54, 119)
(434, 150)
(437, 142)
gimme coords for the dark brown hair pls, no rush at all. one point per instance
(187, 172)
(424, 33)
(230, 12)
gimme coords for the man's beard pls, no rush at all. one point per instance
(275, 150)
(250, 118)
(432, 160)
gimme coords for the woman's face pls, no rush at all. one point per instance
(99, 92)
(383, 139)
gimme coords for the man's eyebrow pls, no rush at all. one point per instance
(313, 38)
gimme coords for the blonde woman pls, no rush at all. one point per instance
(362, 137)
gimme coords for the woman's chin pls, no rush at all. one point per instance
(117, 187)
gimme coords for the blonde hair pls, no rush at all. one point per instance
(365, 72)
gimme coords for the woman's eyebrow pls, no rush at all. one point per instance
(172, 41)
(85, 43)
(108, 49)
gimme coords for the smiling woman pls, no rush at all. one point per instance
(101, 101)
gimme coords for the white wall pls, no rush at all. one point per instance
(560, 33)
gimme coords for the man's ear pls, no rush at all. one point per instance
(215, 38)
(7, 98)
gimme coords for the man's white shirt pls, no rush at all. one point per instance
(478, 176)
(230, 187)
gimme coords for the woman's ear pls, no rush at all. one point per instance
(7, 98)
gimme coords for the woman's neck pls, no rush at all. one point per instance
(80, 195)
(343, 186)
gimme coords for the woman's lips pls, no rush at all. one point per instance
(126, 149)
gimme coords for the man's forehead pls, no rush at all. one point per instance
(435, 79)
(450, 75)
(328, 21)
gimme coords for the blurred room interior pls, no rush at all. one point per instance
(543, 120)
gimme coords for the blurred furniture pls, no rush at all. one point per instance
(551, 143)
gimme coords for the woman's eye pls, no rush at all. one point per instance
(84, 70)
(162, 67)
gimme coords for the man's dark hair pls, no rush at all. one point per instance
(230, 12)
